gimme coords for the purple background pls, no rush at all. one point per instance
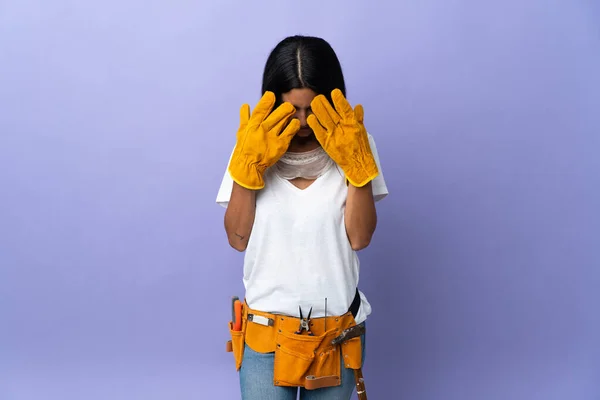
(117, 119)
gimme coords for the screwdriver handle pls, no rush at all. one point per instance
(236, 317)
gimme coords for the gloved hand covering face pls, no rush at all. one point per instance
(262, 138)
(343, 135)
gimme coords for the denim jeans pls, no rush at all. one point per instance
(256, 380)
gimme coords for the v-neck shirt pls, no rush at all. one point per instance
(298, 252)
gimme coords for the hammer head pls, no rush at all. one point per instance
(349, 333)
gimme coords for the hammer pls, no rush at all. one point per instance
(348, 334)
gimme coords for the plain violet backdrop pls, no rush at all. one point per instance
(117, 119)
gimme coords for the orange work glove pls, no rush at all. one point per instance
(343, 136)
(261, 140)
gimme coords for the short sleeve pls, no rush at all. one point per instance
(380, 190)
(224, 193)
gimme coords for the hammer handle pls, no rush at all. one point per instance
(360, 384)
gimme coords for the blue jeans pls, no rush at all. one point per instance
(256, 380)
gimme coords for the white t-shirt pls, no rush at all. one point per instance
(298, 253)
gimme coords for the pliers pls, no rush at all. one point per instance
(304, 323)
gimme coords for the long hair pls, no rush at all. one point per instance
(303, 62)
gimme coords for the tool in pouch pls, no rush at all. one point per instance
(304, 323)
(236, 319)
(347, 334)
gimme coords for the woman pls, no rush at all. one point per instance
(300, 193)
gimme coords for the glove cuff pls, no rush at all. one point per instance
(249, 176)
(359, 177)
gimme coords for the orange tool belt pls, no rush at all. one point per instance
(301, 360)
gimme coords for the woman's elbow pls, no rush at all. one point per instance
(237, 246)
(236, 243)
(359, 243)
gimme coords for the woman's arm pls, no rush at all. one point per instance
(239, 216)
(360, 216)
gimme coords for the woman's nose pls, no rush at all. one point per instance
(302, 115)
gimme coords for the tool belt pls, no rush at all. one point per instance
(301, 359)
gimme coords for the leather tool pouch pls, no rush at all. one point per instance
(300, 360)
(237, 342)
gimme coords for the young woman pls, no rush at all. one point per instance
(300, 192)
